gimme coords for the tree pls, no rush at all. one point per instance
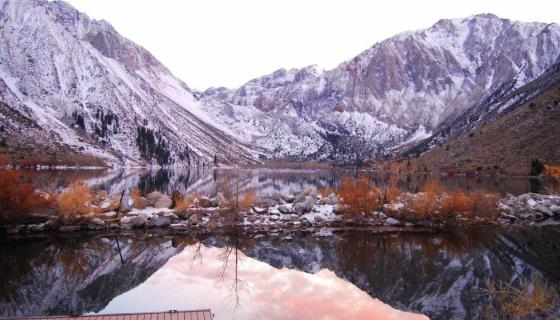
(537, 167)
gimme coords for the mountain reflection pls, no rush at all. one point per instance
(275, 276)
(262, 181)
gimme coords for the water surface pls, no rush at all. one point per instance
(263, 181)
(296, 275)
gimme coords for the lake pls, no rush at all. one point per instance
(262, 181)
(292, 275)
(354, 273)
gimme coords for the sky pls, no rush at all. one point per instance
(213, 43)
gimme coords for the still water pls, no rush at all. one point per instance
(351, 275)
(262, 181)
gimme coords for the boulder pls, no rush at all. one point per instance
(140, 203)
(153, 197)
(287, 197)
(205, 202)
(299, 208)
(338, 208)
(259, 210)
(544, 210)
(69, 228)
(284, 209)
(97, 222)
(270, 202)
(101, 194)
(301, 196)
(125, 220)
(332, 201)
(14, 229)
(126, 204)
(194, 219)
(252, 218)
(183, 214)
(110, 214)
(138, 221)
(163, 202)
(309, 203)
(36, 227)
(105, 205)
(161, 221)
(555, 209)
(392, 222)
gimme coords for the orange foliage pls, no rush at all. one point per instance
(484, 203)
(17, 198)
(185, 202)
(75, 201)
(426, 204)
(553, 171)
(136, 195)
(361, 195)
(248, 199)
(456, 202)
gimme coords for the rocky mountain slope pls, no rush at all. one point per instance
(392, 95)
(72, 84)
(506, 135)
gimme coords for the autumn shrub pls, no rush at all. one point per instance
(484, 203)
(18, 198)
(519, 302)
(553, 171)
(75, 201)
(361, 196)
(247, 200)
(456, 202)
(426, 204)
(186, 201)
(136, 195)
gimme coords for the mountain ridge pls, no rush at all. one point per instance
(90, 91)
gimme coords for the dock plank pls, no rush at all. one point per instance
(175, 315)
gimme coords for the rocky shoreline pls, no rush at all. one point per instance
(304, 210)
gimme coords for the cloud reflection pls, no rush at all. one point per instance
(264, 292)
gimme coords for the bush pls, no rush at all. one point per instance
(249, 198)
(484, 203)
(456, 202)
(75, 201)
(425, 204)
(525, 301)
(361, 196)
(553, 171)
(185, 202)
(17, 198)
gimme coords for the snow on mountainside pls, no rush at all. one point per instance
(86, 88)
(392, 95)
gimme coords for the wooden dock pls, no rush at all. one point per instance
(168, 315)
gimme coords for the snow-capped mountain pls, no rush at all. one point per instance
(391, 96)
(72, 82)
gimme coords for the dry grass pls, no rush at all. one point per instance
(553, 171)
(136, 195)
(425, 205)
(185, 202)
(247, 200)
(484, 203)
(75, 200)
(456, 202)
(361, 195)
(18, 198)
(510, 302)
